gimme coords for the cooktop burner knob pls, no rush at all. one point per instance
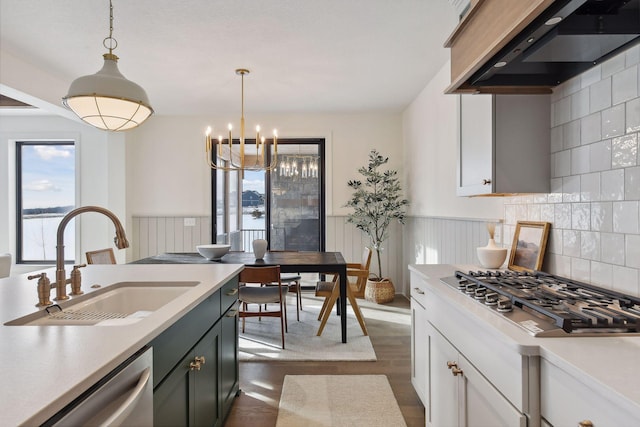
(479, 293)
(504, 306)
(491, 298)
(471, 288)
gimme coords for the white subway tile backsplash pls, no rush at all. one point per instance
(562, 215)
(600, 156)
(571, 189)
(562, 163)
(602, 216)
(626, 280)
(562, 111)
(580, 104)
(557, 134)
(591, 76)
(547, 212)
(633, 115)
(590, 245)
(632, 183)
(625, 217)
(613, 121)
(580, 269)
(580, 216)
(624, 85)
(612, 184)
(632, 250)
(594, 203)
(600, 95)
(591, 128)
(571, 134)
(613, 65)
(571, 243)
(590, 187)
(612, 248)
(624, 151)
(601, 274)
(580, 160)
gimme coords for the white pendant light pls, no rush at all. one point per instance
(107, 100)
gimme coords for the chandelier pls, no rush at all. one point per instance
(246, 158)
(296, 166)
(107, 100)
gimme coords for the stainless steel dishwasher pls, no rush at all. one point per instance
(123, 398)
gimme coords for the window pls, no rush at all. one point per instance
(45, 192)
(285, 206)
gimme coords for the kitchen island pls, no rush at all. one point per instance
(468, 361)
(44, 368)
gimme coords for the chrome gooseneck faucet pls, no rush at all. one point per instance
(120, 240)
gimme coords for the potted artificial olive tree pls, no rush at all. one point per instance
(376, 202)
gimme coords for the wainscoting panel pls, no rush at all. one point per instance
(436, 240)
(157, 235)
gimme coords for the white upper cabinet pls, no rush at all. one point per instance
(504, 144)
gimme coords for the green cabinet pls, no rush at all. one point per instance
(196, 363)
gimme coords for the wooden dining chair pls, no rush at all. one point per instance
(360, 273)
(252, 291)
(101, 256)
(330, 291)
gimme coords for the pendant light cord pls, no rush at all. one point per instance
(109, 42)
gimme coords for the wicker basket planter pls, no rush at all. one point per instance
(379, 291)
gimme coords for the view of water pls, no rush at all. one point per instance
(39, 242)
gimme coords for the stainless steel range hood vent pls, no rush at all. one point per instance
(567, 39)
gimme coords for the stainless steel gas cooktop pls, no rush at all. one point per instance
(551, 306)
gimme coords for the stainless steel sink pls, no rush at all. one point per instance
(119, 304)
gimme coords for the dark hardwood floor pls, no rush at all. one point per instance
(261, 382)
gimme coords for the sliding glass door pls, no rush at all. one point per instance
(286, 205)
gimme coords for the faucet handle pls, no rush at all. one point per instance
(44, 289)
(76, 279)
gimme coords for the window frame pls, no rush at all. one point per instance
(19, 192)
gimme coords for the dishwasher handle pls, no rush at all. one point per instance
(120, 414)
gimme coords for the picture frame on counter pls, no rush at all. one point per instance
(529, 245)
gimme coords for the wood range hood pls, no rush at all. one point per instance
(506, 46)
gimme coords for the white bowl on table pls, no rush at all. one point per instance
(213, 252)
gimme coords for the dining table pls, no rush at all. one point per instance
(289, 262)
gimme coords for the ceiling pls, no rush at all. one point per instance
(309, 56)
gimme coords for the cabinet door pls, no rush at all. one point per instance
(419, 361)
(206, 394)
(229, 375)
(443, 386)
(172, 403)
(482, 404)
(475, 145)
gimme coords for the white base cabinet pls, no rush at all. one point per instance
(419, 361)
(459, 393)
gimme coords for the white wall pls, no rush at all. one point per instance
(167, 174)
(100, 168)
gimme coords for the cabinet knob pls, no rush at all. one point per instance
(585, 423)
(486, 181)
(419, 291)
(452, 365)
(194, 366)
(455, 371)
(200, 360)
(232, 292)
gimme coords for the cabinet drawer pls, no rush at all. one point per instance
(418, 289)
(566, 401)
(228, 294)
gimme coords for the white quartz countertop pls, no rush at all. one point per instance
(608, 364)
(43, 368)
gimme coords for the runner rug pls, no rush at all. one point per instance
(338, 400)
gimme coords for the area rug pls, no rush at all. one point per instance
(261, 339)
(338, 400)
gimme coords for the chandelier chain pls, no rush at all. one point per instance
(109, 42)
